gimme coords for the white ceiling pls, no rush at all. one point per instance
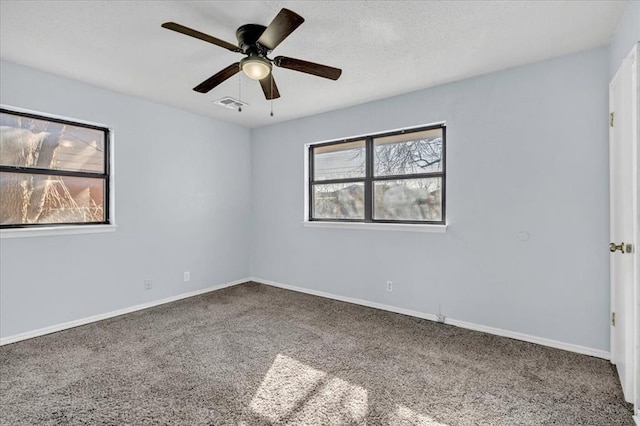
(384, 48)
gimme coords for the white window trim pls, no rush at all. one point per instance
(54, 230)
(407, 227)
(47, 231)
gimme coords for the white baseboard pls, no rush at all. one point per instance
(99, 317)
(598, 353)
(432, 317)
(408, 312)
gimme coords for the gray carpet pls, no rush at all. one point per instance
(254, 355)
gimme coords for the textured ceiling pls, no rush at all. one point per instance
(383, 47)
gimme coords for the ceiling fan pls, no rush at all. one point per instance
(256, 42)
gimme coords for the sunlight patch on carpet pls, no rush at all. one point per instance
(294, 392)
(406, 416)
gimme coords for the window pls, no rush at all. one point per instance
(52, 171)
(397, 177)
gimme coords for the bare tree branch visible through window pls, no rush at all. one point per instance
(50, 171)
(405, 180)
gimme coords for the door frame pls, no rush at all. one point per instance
(634, 56)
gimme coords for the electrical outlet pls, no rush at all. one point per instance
(147, 284)
(389, 285)
(187, 276)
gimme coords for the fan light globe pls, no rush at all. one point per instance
(256, 67)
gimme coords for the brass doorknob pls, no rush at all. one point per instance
(613, 247)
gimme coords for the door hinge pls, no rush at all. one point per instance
(613, 319)
(610, 119)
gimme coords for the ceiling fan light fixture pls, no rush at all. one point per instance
(256, 67)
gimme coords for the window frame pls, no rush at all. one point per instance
(40, 229)
(369, 179)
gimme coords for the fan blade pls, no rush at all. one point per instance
(269, 87)
(308, 67)
(218, 78)
(282, 25)
(202, 36)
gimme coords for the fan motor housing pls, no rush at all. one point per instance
(248, 36)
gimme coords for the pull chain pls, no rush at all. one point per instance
(240, 89)
(271, 95)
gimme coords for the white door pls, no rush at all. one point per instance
(623, 161)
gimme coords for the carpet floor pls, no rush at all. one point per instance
(258, 355)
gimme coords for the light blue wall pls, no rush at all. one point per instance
(177, 209)
(626, 35)
(527, 151)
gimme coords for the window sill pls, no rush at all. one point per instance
(406, 227)
(56, 230)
